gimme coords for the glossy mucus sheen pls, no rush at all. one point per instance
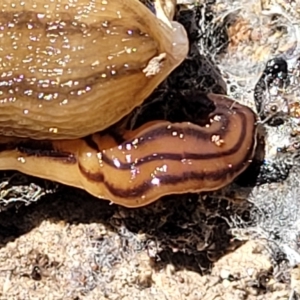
(157, 159)
(71, 68)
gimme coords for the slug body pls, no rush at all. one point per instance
(71, 68)
(157, 159)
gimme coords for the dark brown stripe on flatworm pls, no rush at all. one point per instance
(143, 188)
(197, 134)
(39, 149)
(45, 149)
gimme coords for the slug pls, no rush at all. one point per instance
(70, 69)
(65, 64)
(157, 159)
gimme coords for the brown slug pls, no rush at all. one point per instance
(70, 69)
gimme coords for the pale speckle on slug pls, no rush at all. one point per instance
(69, 69)
(157, 163)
